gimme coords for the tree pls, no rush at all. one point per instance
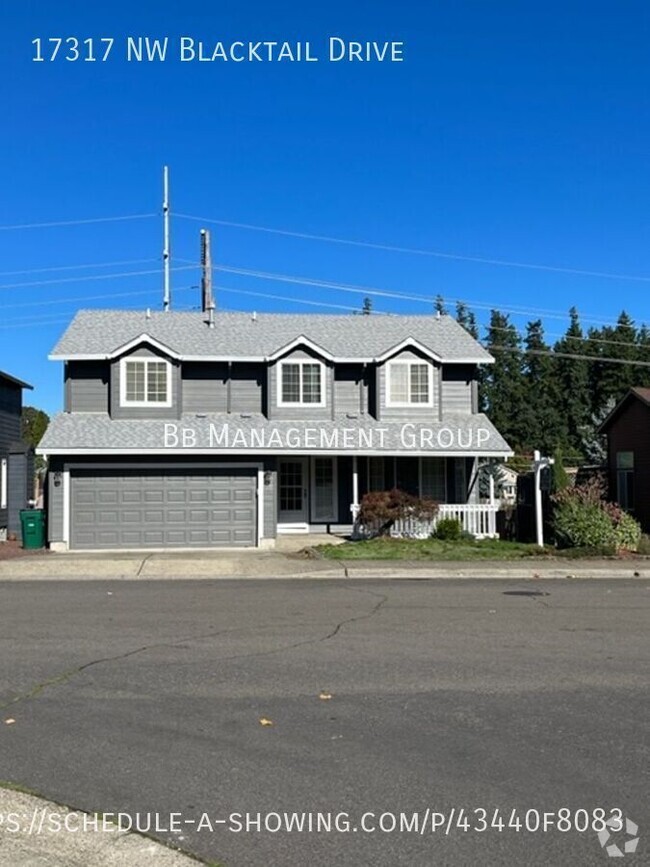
(367, 306)
(439, 305)
(559, 478)
(503, 386)
(34, 423)
(573, 385)
(466, 318)
(543, 422)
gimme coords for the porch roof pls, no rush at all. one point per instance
(248, 434)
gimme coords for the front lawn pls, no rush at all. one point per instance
(431, 549)
(436, 549)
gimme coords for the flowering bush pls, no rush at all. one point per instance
(583, 518)
(379, 510)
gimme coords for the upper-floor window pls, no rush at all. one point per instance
(145, 382)
(300, 383)
(409, 383)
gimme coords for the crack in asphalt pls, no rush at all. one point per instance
(318, 640)
(66, 676)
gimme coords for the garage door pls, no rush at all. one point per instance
(162, 508)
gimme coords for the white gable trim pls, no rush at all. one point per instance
(143, 338)
(414, 344)
(301, 341)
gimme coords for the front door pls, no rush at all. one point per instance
(292, 489)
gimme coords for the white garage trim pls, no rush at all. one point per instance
(248, 465)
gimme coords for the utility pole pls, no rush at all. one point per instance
(539, 463)
(207, 297)
(166, 250)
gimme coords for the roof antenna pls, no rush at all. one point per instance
(166, 251)
(207, 298)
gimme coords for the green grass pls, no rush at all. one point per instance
(437, 549)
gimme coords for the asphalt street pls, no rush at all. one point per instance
(385, 698)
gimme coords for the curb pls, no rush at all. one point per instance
(38, 831)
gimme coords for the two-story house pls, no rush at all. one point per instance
(16, 465)
(184, 431)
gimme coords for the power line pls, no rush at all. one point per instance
(91, 277)
(367, 290)
(392, 248)
(85, 222)
(84, 298)
(76, 267)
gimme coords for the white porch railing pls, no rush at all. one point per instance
(478, 519)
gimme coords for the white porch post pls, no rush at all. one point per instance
(354, 508)
(491, 489)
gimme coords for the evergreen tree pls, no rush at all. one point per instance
(544, 425)
(503, 386)
(573, 385)
(466, 318)
(439, 305)
(620, 342)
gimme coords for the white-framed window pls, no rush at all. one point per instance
(409, 383)
(433, 478)
(3, 483)
(301, 383)
(145, 382)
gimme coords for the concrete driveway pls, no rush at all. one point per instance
(147, 698)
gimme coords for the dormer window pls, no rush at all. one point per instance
(300, 383)
(409, 383)
(145, 382)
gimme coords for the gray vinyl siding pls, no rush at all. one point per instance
(270, 494)
(20, 486)
(173, 411)
(247, 383)
(350, 389)
(458, 388)
(54, 501)
(205, 387)
(300, 412)
(87, 386)
(10, 410)
(408, 413)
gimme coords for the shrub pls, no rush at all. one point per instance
(582, 518)
(379, 510)
(644, 544)
(448, 529)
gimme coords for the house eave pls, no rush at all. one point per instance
(469, 453)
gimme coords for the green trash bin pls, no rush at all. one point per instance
(32, 523)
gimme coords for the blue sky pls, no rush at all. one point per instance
(513, 131)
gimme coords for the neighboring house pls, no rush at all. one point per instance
(181, 432)
(628, 458)
(507, 492)
(16, 461)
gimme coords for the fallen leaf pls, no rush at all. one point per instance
(10, 721)
(266, 722)
(325, 696)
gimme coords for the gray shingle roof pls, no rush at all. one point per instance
(76, 433)
(239, 335)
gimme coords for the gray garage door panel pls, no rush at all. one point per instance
(163, 508)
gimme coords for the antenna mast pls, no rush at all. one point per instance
(166, 250)
(207, 298)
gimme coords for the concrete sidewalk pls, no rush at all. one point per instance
(38, 832)
(253, 564)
